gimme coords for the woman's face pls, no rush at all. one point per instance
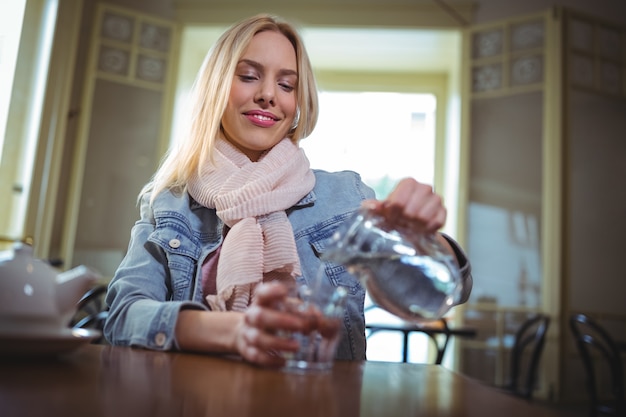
(262, 103)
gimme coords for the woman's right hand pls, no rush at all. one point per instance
(261, 335)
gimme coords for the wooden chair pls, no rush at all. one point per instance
(599, 350)
(525, 356)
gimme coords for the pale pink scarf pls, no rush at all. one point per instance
(251, 198)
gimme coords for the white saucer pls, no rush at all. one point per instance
(52, 343)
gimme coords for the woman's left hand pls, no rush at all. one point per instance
(412, 204)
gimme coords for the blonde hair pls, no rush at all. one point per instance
(210, 96)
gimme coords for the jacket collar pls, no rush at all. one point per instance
(307, 199)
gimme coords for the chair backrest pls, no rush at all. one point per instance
(91, 311)
(529, 341)
(592, 340)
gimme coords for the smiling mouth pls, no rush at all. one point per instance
(262, 117)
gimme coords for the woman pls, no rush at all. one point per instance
(234, 210)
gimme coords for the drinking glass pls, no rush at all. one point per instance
(323, 306)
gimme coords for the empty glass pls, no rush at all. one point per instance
(409, 274)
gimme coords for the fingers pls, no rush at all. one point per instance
(266, 326)
(271, 320)
(412, 204)
(263, 348)
(268, 294)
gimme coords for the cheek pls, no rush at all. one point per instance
(289, 107)
(236, 97)
(228, 116)
(234, 100)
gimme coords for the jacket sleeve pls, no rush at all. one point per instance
(141, 310)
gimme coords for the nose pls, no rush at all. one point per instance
(265, 94)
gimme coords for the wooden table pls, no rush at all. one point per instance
(97, 380)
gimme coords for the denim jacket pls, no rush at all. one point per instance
(160, 274)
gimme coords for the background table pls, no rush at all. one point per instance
(432, 329)
(98, 380)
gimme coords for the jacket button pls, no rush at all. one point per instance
(160, 339)
(174, 243)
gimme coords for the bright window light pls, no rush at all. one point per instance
(11, 18)
(382, 136)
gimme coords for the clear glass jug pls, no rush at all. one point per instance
(410, 275)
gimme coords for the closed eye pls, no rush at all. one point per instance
(247, 78)
(287, 87)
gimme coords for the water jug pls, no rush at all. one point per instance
(409, 274)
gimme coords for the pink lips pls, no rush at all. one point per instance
(261, 118)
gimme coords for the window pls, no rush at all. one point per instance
(384, 136)
(11, 20)
(26, 26)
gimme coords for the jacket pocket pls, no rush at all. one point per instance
(337, 274)
(182, 254)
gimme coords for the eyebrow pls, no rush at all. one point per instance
(259, 67)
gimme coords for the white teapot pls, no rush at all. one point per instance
(34, 296)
